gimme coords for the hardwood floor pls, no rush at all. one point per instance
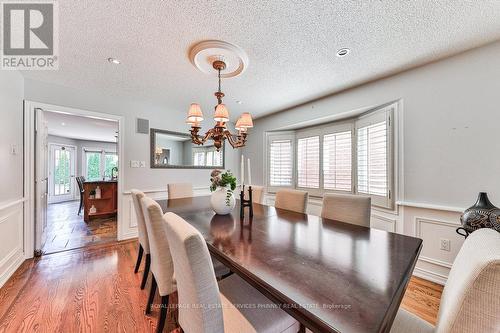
(94, 289)
(67, 230)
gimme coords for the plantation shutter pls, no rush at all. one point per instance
(308, 162)
(280, 162)
(337, 161)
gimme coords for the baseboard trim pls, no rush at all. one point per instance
(431, 276)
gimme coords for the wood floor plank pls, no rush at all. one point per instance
(94, 289)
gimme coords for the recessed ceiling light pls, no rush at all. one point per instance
(239, 102)
(63, 124)
(343, 52)
(114, 61)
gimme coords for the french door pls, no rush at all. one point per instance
(62, 162)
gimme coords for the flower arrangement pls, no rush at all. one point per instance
(226, 180)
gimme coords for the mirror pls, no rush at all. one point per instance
(175, 150)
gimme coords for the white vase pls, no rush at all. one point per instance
(220, 203)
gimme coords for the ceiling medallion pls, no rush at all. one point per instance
(219, 63)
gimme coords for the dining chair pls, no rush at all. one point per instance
(143, 236)
(471, 297)
(162, 267)
(349, 208)
(206, 306)
(257, 193)
(293, 200)
(79, 182)
(180, 190)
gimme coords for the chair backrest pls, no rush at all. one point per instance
(180, 190)
(196, 282)
(471, 296)
(79, 181)
(349, 208)
(162, 265)
(293, 200)
(141, 223)
(257, 193)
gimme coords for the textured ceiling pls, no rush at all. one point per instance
(81, 128)
(291, 46)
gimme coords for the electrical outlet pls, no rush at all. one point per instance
(445, 244)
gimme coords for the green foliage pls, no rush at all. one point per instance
(93, 166)
(222, 180)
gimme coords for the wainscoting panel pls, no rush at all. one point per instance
(11, 242)
(130, 223)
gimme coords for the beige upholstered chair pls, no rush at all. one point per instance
(162, 266)
(349, 208)
(143, 236)
(293, 200)
(180, 190)
(471, 297)
(257, 193)
(214, 311)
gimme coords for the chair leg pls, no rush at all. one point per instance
(146, 271)
(81, 204)
(163, 314)
(139, 258)
(151, 295)
(302, 329)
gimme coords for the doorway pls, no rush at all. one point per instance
(73, 154)
(62, 170)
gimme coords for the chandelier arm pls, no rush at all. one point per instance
(198, 139)
(240, 142)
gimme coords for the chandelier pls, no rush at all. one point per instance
(221, 116)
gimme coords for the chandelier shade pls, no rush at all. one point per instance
(194, 113)
(245, 121)
(221, 113)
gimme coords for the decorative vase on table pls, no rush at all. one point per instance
(222, 185)
(483, 214)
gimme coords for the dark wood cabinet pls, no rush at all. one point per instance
(106, 205)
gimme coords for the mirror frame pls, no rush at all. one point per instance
(152, 141)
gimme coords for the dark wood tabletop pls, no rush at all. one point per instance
(331, 276)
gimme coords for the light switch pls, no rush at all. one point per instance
(143, 164)
(134, 164)
(13, 149)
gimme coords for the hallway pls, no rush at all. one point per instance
(66, 230)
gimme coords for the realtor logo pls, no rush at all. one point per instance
(29, 35)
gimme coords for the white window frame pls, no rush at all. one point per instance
(102, 166)
(274, 136)
(377, 116)
(352, 124)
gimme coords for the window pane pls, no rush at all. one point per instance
(199, 158)
(62, 180)
(111, 162)
(280, 163)
(372, 159)
(337, 161)
(93, 161)
(308, 162)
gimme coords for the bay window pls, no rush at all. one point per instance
(349, 156)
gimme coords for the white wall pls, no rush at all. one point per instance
(136, 146)
(11, 173)
(449, 145)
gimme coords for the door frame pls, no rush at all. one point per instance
(73, 168)
(29, 166)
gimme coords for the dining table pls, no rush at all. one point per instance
(329, 275)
